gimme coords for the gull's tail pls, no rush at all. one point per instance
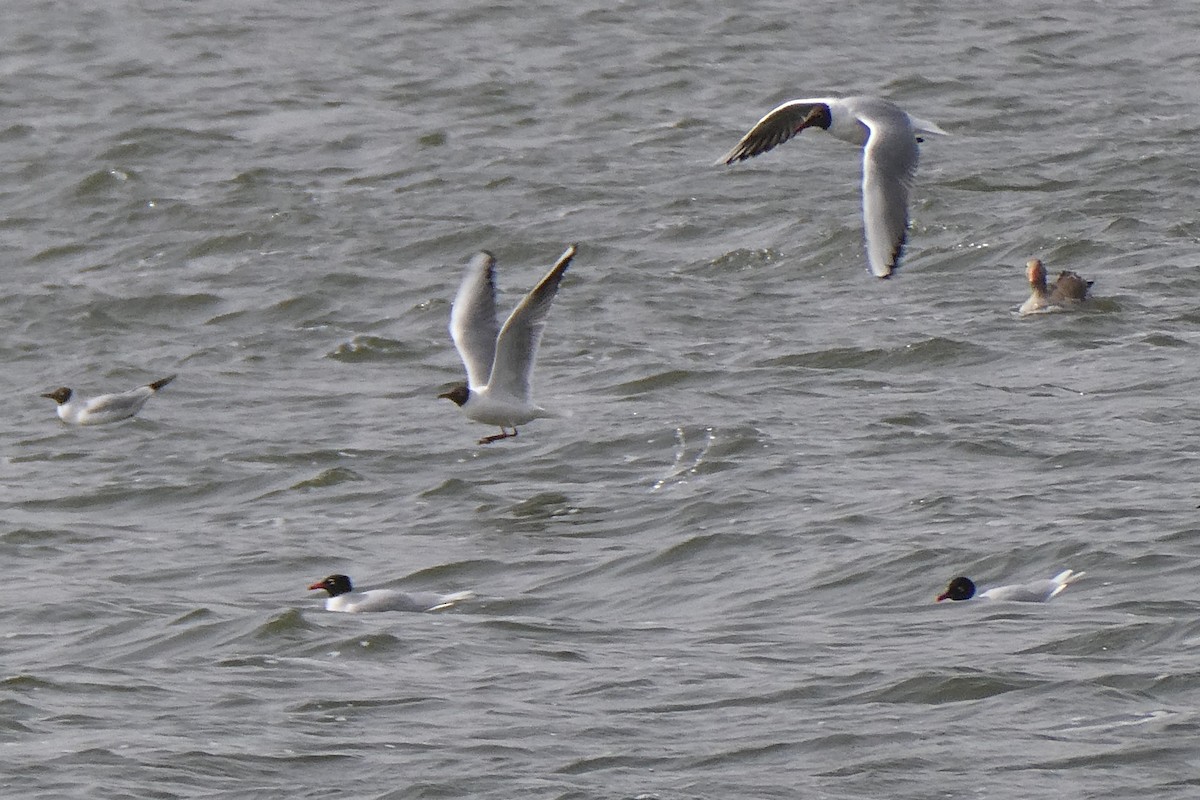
(449, 600)
(1065, 579)
(925, 126)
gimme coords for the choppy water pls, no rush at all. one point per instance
(713, 578)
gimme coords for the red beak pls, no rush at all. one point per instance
(317, 585)
(941, 597)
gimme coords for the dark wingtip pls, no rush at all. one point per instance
(738, 153)
(458, 395)
(161, 383)
(891, 270)
(895, 262)
(565, 259)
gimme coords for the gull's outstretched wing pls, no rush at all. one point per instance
(889, 165)
(517, 345)
(780, 124)
(473, 325)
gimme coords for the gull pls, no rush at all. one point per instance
(1068, 289)
(104, 408)
(962, 588)
(343, 597)
(499, 360)
(888, 137)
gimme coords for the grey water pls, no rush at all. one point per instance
(713, 574)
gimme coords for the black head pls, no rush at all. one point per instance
(335, 585)
(819, 117)
(458, 394)
(60, 395)
(959, 589)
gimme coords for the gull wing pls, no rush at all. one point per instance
(774, 129)
(517, 345)
(473, 325)
(889, 165)
(117, 405)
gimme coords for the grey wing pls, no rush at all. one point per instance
(1041, 591)
(517, 345)
(125, 404)
(1032, 592)
(432, 601)
(388, 600)
(774, 129)
(473, 325)
(889, 167)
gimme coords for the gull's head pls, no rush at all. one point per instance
(819, 117)
(1036, 273)
(335, 585)
(458, 394)
(60, 395)
(960, 588)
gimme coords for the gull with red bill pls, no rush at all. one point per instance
(963, 588)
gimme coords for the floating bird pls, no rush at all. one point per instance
(106, 407)
(962, 588)
(342, 597)
(1067, 290)
(499, 361)
(888, 137)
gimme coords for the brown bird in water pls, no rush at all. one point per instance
(1068, 289)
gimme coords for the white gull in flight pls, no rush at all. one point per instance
(499, 360)
(888, 137)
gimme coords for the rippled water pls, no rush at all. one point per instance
(713, 576)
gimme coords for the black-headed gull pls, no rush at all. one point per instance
(104, 408)
(1067, 290)
(499, 360)
(342, 597)
(888, 137)
(962, 588)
